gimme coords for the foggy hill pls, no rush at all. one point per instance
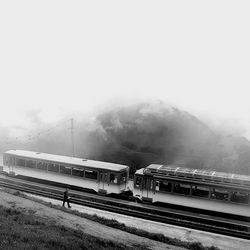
(147, 133)
(157, 133)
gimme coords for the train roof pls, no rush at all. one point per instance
(68, 160)
(172, 170)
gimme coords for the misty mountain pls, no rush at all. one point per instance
(146, 133)
(158, 133)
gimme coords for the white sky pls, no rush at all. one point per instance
(61, 56)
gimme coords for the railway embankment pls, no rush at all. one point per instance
(91, 231)
(66, 218)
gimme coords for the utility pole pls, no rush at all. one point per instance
(72, 136)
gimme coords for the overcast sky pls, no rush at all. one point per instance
(62, 56)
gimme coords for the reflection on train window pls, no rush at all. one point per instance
(30, 164)
(42, 165)
(91, 174)
(20, 162)
(219, 194)
(240, 197)
(138, 181)
(65, 170)
(53, 167)
(165, 186)
(200, 191)
(113, 178)
(181, 188)
(78, 172)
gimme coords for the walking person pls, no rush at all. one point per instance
(66, 197)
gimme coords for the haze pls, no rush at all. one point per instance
(60, 57)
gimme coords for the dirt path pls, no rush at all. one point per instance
(181, 233)
(75, 222)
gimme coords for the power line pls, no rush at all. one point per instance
(33, 136)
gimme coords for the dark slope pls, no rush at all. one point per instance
(157, 133)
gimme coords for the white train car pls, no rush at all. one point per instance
(209, 190)
(102, 177)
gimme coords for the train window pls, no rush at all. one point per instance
(165, 186)
(20, 162)
(30, 164)
(91, 174)
(138, 181)
(78, 172)
(5, 160)
(200, 191)
(240, 197)
(102, 176)
(123, 177)
(12, 161)
(181, 188)
(147, 183)
(219, 194)
(65, 169)
(151, 184)
(53, 167)
(157, 184)
(113, 178)
(42, 165)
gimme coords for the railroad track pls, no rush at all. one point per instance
(234, 228)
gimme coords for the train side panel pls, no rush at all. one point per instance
(148, 188)
(238, 209)
(95, 185)
(100, 183)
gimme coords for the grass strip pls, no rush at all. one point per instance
(21, 230)
(121, 226)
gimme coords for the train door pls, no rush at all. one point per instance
(103, 182)
(10, 164)
(147, 189)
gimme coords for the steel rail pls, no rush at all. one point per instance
(224, 227)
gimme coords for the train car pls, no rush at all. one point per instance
(102, 177)
(202, 189)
